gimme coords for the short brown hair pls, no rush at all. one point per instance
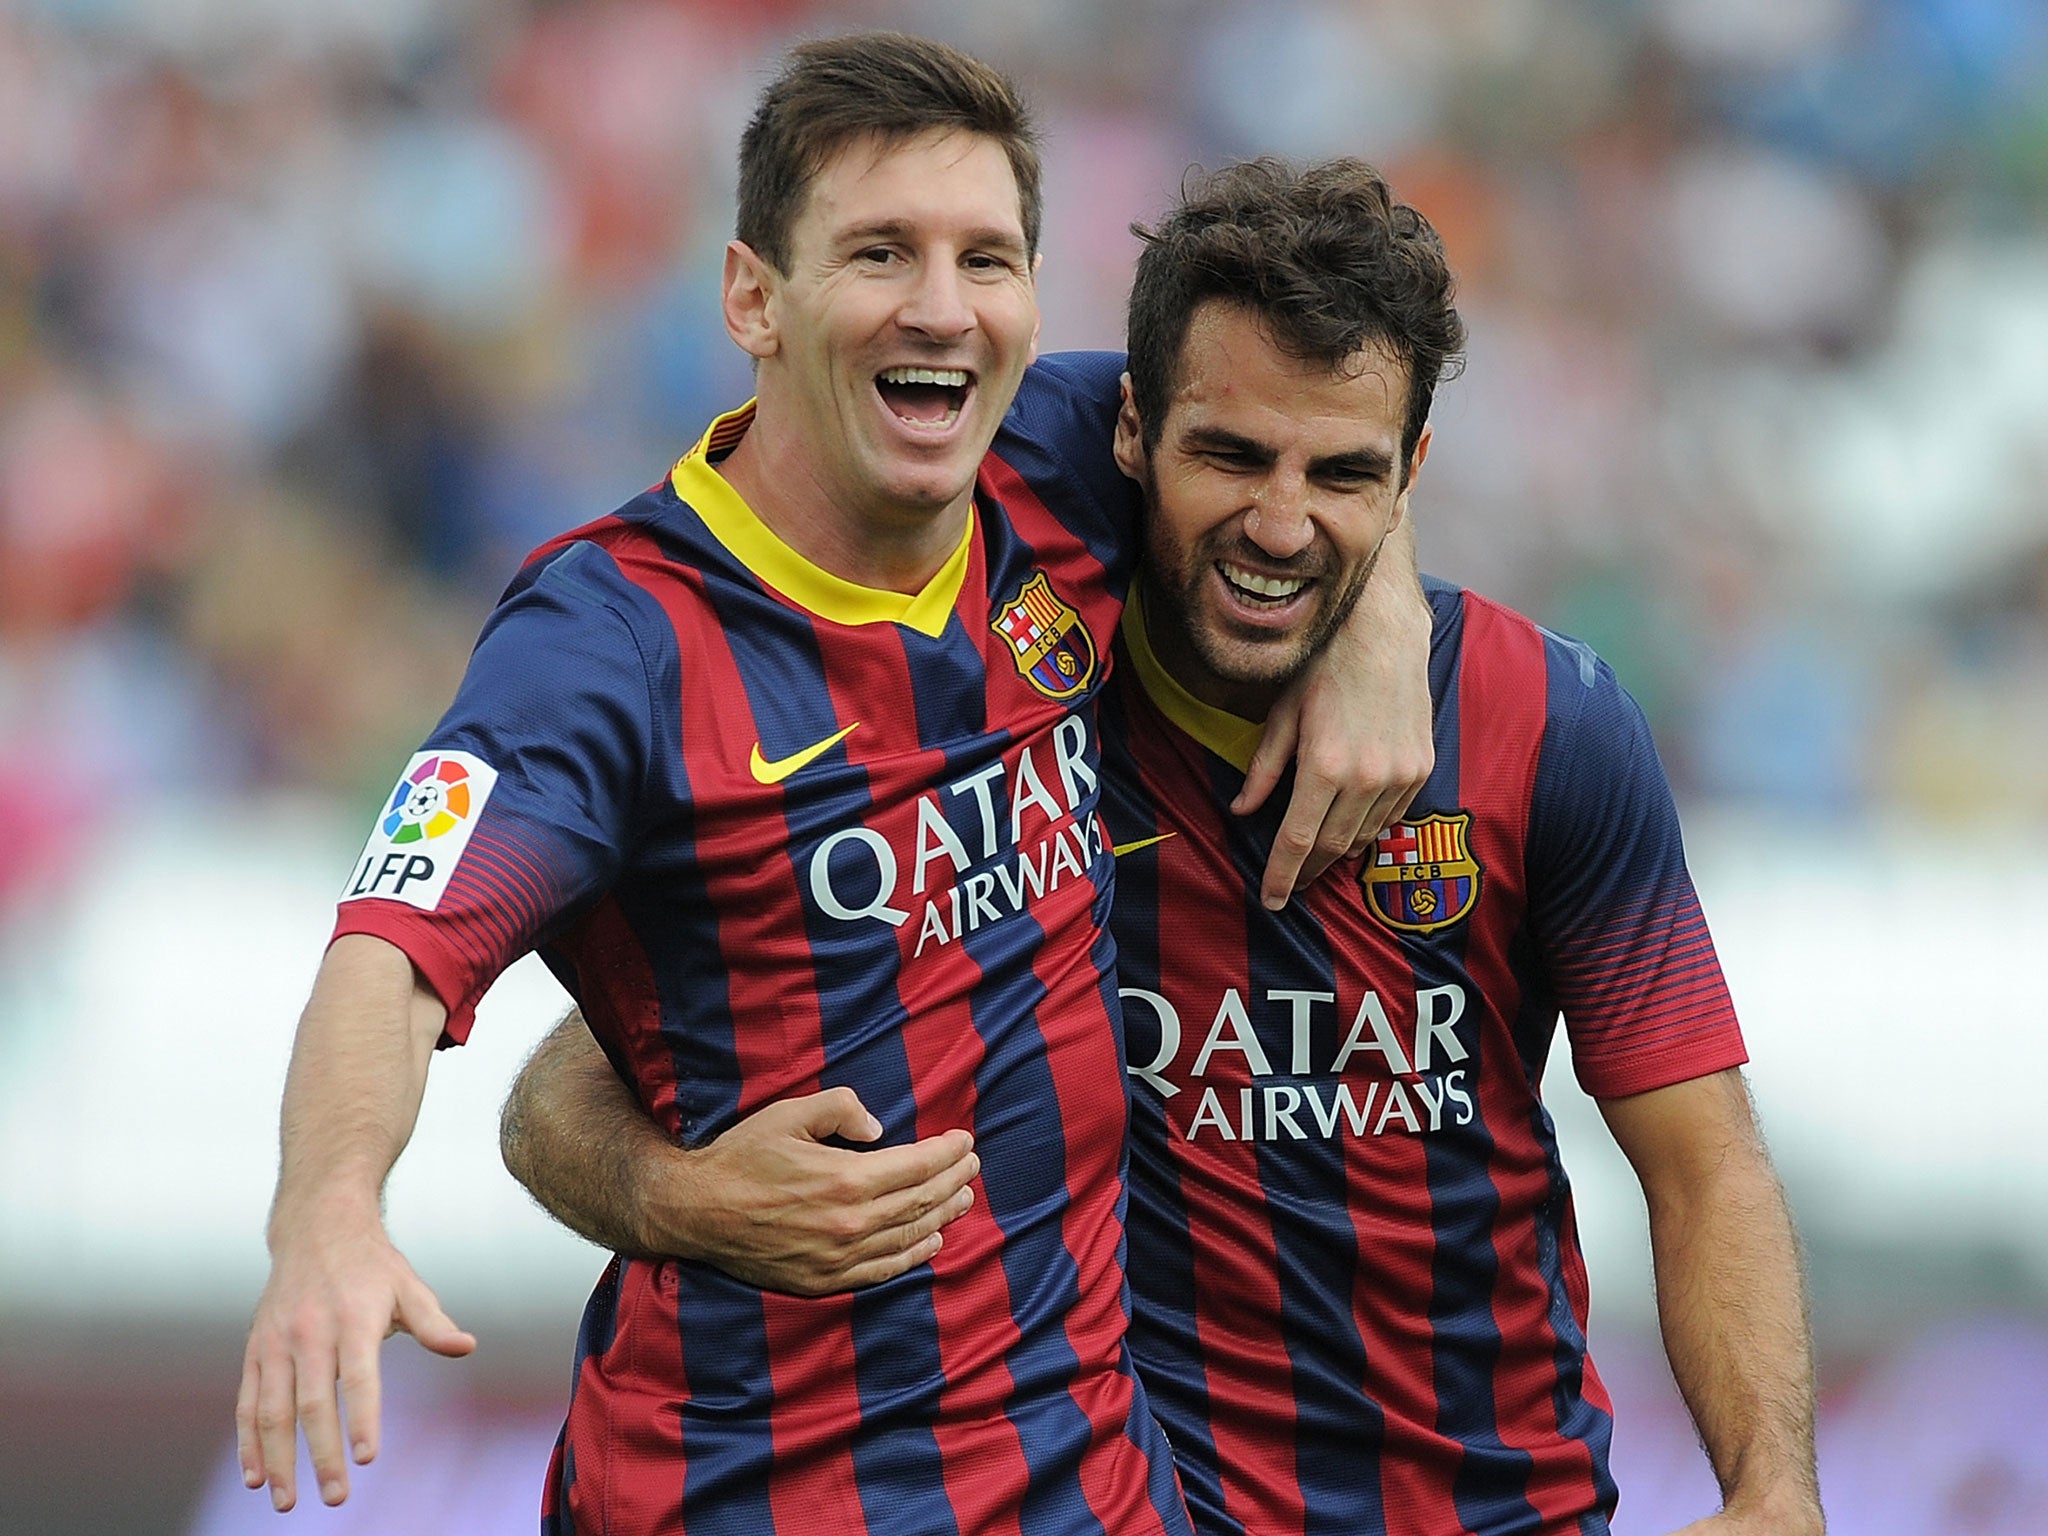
(836, 90)
(1324, 257)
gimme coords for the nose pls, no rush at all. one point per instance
(937, 303)
(1278, 519)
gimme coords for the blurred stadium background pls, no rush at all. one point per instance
(314, 319)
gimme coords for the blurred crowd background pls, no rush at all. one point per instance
(314, 319)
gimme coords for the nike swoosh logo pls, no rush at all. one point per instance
(1120, 849)
(766, 772)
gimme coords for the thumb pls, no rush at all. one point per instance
(420, 1314)
(838, 1112)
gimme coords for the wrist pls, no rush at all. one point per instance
(668, 1205)
(334, 1209)
(1782, 1511)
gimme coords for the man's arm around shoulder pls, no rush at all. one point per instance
(769, 1202)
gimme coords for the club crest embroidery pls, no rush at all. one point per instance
(1420, 875)
(1051, 645)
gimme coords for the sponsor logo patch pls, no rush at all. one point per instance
(1051, 645)
(767, 772)
(432, 812)
(1420, 875)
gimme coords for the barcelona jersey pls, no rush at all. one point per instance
(777, 833)
(1360, 1302)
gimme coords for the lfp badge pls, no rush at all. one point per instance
(426, 824)
(1420, 875)
(1048, 640)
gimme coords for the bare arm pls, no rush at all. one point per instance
(1730, 1297)
(1361, 717)
(768, 1201)
(337, 1287)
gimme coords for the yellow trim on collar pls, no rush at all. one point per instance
(1229, 737)
(758, 547)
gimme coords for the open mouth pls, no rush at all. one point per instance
(924, 397)
(1257, 591)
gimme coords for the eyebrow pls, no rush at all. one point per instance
(1358, 461)
(988, 237)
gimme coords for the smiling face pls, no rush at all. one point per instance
(1269, 492)
(893, 345)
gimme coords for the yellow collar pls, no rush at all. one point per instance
(756, 546)
(1229, 737)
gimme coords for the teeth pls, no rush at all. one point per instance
(1264, 586)
(955, 378)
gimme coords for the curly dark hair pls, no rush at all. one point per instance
(1326, 259)
(835, 90)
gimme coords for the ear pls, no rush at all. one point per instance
(1129, 443)
(1414, 472)
(747, 297)
(1037, 261)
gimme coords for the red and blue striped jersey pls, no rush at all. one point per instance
(1360, 1302)
(777, 833)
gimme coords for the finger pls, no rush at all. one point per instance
(909, 1216)
(1385, 811)
(837, 1112)
(1296, 839)
(917, 1233)
(889, 1266)
(361, 1396)
(419, 1314)
(277, 1428)
(315, 1371)
(935, 1167)
(1269, 761)
(905, 1247)
(1336, 837)
(248, 1448)
(1403, 801)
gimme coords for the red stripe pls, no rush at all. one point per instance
(778, 1042)
(624, 1413)
(1248, 1375)
(1075, 572)
(1087, 1077)
(1389, 1205)
(777, 1038)
(1503, 691)
(981, 1462)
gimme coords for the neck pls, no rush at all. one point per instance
(883, 545)
(1174, 649)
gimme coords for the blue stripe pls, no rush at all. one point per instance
(1340, 1430)
(898, 1373)
(1162, 1335)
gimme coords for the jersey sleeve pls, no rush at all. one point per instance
(1612, 904)
(1059, 436)
(513, 816)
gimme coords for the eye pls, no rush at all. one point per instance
(876, 256)
(1236, 461)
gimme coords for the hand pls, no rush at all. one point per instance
(1802, 1520)
(331, 1301)
(1362, 720)
(769, 1203)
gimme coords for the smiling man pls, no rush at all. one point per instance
(789, 770)
(1360, 1304)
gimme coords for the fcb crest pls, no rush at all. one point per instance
(1047, 639)
(1420, 875)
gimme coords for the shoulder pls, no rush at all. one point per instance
(1056, 445)
(1067, 403)
(1481, 634)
